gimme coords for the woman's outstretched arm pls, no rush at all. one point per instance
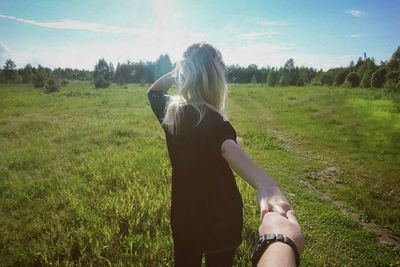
(269, 196)
(163, 83)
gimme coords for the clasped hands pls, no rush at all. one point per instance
(277, 216)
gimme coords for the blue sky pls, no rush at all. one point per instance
(320, 34)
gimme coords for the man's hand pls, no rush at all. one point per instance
(274, 222)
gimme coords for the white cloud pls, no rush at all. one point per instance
(356, 35)
(68, 24)
(275, 55)
(3, 49)
(356, 13)
(85, 55)
(322, 61)
(266, 22)
(170, 35)
(4, 52)
(256, 35)
(259, 54)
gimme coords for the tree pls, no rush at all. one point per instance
(378, 78)
(112, 71)
(351, 66)
(366, 79)
(40, 77)
(393, 80)
(394, 62)
(340, 77)
(9, 72)
(163, 65)
(102, 68)
(393, 71)
(290, 74)
(27, 74)
(272, 78)
(352, 80)
(289, 65)
(253, 79)
(285, 72)
(102, 74)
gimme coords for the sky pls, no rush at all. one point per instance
(76, 33)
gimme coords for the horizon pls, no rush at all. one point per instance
(318, 35)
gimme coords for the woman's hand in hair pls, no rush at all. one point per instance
(164, 82)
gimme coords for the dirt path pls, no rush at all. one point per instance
(383, 235)
(330, 173)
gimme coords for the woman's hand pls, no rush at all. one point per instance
(272, 200)
(269, 197)
(164, 82)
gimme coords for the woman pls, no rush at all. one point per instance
(206, 207)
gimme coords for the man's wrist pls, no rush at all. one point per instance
(282, 247)
(265, 241)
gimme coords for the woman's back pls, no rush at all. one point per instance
(204, 192)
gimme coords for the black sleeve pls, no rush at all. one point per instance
(158, 101)
(222, 131)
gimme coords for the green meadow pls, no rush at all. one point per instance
(85, 174)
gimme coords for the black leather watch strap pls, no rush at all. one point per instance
(265, 240)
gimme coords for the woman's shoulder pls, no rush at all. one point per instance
(210, 119)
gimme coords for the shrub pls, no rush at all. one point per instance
(340, 77)
(316, 83)
(53, 85)
(100, 82)
(378, 78)
(352, 80)
(326, 79)
(64, 82)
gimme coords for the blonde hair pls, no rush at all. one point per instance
(201, 83)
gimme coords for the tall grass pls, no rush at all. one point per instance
(85, 174)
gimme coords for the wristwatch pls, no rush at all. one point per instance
(265, 240)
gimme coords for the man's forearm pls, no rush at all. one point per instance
(278, 254)
(163, 83)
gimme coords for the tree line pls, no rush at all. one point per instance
(364, 73)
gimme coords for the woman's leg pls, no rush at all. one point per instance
(187, 254)
(220, 259)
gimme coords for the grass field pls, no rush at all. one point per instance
(85, 174)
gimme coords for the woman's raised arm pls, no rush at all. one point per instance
(163, 83)
(269, 196)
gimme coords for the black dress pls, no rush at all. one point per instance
(206, 204)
